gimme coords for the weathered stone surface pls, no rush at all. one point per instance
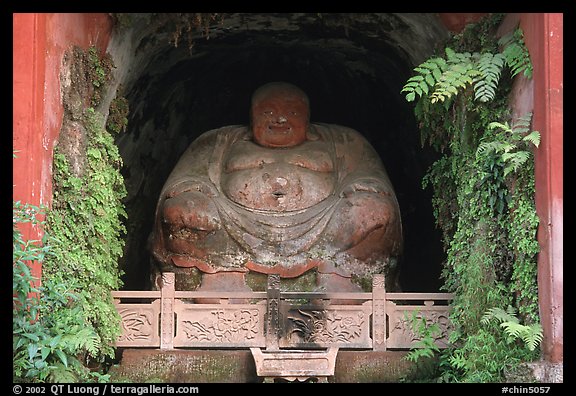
(377, 366)
(226, 366)
(181, 366)
(540, 371)
(280, 196)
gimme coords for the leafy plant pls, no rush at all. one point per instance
(49, 333)
(87, 231)
(118, 115)
(483, 195)
(441, 79)
(99, 69)
(531, 334)
(516, 54)
(85, 221)
(427, 333)
(508, 143)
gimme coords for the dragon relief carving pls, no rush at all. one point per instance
(136, 325)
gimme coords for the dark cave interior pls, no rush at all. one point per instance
(352, 69)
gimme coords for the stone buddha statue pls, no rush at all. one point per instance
(280, 196)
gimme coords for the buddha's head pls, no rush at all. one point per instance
(280, 115)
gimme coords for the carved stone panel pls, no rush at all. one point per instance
(343, 326)
(140, 325)
(219, 325)
(402, 334)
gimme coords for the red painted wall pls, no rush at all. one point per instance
(543, 33)
(39, 42)
(456, 21)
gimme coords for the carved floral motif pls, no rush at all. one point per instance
(327, 326)
(224, 326)
(404, 331)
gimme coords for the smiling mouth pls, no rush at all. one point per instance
(279, 129)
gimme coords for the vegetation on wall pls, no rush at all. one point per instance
(50, 333)
(85, 222)
(483, 199)
(65, 325)
(182, 27)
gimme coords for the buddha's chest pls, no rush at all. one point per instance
(278, 179)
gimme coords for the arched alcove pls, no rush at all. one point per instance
(352, 66)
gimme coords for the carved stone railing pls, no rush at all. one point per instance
(278, 320)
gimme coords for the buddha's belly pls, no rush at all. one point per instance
(277, 187)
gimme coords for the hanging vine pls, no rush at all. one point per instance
(85, 222)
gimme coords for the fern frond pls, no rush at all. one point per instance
(428, 75)
(516, 54)
(485, 148)
(522, 124)
(456, 76)
(499, 315)
(515, 160)
(85, 339)
(504, 126)
(450, 54)
(513, 328)
(490, 67)
(505, 148)
(533, 336)
(458, 360)
(533, 137)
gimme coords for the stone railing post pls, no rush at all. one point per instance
(167, 293)
(378, 313)
(273, 314)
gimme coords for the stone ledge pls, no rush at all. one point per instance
(237, 366)
(184, 366)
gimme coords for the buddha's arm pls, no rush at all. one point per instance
(361, 167)
(192, 170)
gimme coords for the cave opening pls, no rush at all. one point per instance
(352, 70)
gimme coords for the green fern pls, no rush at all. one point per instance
(516, 54)
(531, 335)
(85, 339)
(509, 143)
(441, 79)
(490, 67)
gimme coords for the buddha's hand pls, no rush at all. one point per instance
(191, 185)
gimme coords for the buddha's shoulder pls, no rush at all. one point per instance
(338, 133)
(225, 131)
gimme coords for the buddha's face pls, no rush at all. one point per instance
(280, 116)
